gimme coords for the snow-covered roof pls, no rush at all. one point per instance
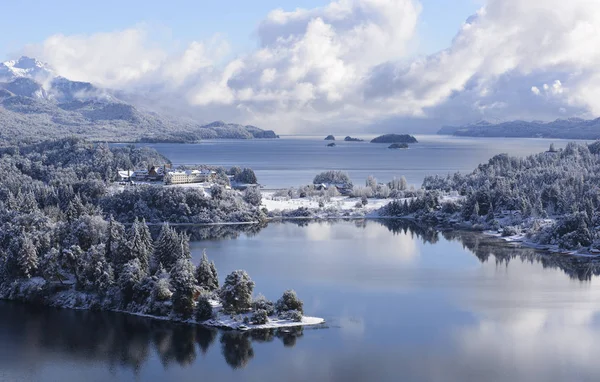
(191, 172)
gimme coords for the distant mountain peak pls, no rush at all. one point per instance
(24, 67)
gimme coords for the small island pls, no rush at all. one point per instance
(330, 138)
(398, 146)
(331, 144)
(350, 139)
(395, 138)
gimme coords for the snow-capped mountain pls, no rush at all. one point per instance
(36, 104)
(24, 67)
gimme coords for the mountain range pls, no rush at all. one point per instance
(571, 128)
(36, 104)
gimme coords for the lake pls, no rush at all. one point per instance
(295, 160)
(401, 303)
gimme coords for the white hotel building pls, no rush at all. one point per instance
(189, 176)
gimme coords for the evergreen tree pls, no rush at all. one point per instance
(50, 265)
(28, 203)
(131, 275)
(27, 258)
(204, 310)
(166, 247)
(288, 302)
(183, 282)
(115, 243)
(206, 274)
(75, 208)
(236, 293)
(96, 274)
(140, 244)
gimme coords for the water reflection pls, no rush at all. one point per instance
(122, 340)
(468, 308)
(483, 247)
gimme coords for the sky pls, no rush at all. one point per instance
(190, 20)
(316, 65)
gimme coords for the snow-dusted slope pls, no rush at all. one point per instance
(36, 104)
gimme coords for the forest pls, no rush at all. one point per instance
(68, 238)
(550, 198)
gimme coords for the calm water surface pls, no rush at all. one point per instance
(294, 161)
(400, 304)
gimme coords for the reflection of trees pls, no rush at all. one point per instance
(289, 335)
(577, 267)
(486, 247)
(208, 232)
(125, 341)
(580, 268)
(205, 337)
(236, 348)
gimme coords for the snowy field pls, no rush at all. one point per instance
(343, 204)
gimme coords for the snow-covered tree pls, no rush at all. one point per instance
(75, 208)
(166, 248)
(95, 273)
(204, 310)
(140, 244)
(183, 282)
(206, 274)
(371, 182)
(50, 265)
(253, 196)
(259, 317)
(288, 302)
(162, 286)
(131, 275)
(333, 177)
(115, 244)
(27, 257)
(262, 303)
(236, 293)
(246, 176)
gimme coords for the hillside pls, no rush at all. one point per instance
(572, 128)
(30, 111)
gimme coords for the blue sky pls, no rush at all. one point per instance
(187, 20)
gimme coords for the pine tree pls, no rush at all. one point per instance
(236, 293)
(183, 282)
(206, 274)
(131, 275)
(166, 248)
(28, 203)
(75, 208)
(27, 258)
(96, 274)
(50, 265)
(115, 242)
(140, 244)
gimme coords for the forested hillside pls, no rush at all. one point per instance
(63, 241)
(551, 197)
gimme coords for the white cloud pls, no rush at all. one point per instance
(125, 58)
(348, 64)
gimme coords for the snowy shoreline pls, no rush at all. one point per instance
(31, 291)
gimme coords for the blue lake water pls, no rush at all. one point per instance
(401, 303)
(294, 161)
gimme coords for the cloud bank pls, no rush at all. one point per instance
(349, 65)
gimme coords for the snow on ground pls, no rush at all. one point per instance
(341, 203)
(224, 320)
(72, 299)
